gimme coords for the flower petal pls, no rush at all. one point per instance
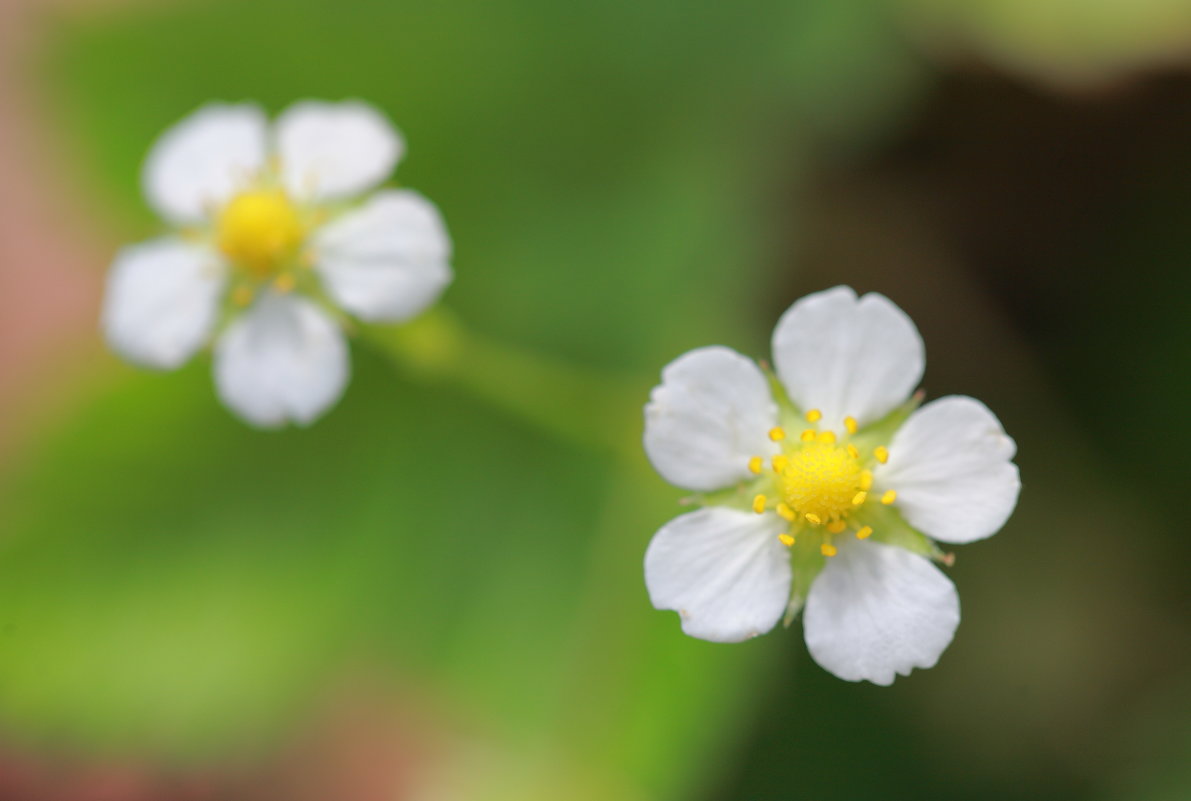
(332, 150)
(161, 301)
(878, 610)
(203, 160)
(845, 356)
(724, 571)
(283, 360)
(386, 261)
(709, 416)
(949, 464)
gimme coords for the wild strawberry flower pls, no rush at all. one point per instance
(823, 489)
(271, 246)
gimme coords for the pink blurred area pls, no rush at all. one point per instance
(51, 256)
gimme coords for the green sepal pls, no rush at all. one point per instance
(882, 431)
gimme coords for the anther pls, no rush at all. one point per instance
(813, 518)
(759, 504)
(786, 539)
(850, 424)
(866, 479)
(807, 435)
(777, 433)
(882, 454)
(864, 533)
(827, 437)
(814, 416)
(755, 465)
(889, 497)
(786, 512)
(853, 451)
(828, 550)
(859, 498)
(836, 526)
(780, 462)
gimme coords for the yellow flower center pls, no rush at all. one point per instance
(259, 229)
(819, 481)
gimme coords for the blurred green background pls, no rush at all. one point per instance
(431, 594)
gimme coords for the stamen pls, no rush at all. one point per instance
(786, 512)
(853, 451)
(759, 504)
(786, 540)
(828, 550)
(866, 479)
(755, 465)
(836, 526)
(850, 424)
(814, 416)
(807, 435)
(827, 437)
(864, 533)
(777, 433)
(882, 454)
(859, 498)
(813, 518)
(889, 497)
(780, 463)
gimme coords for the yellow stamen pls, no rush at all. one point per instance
(759, 504)
(777, 433)
(756, 464)
(780, 463)
(836, 526)
(866, 479)
(864, 533)
(827, 437)
(850, 424)
(786, 540)
(786, 512)
(853, 451)
(889, 497)
(881, 453)
(814, 416)
(859, 498)
(813, 519)
(807, 435)
(828, 550)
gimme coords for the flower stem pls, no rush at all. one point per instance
(592, 410)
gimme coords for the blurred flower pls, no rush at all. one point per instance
(268, 247)
(831, 486)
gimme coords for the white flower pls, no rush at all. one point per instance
(269, 248)
(828, 489)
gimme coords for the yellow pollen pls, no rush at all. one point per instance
(777, 433)
(864, 533)
(780, 462)
(807, 435)
(859, 498)
(813, 519)
(759, 504)
(882, 454)
(850, 424)
(755, 465)
(836, 526)
(853, 451)
(786, 540)
(866, 480)
(786, 512)
(828, 437)
(828, 550)
(259, 229)
(889, 497)
(814, 416)
(819, 481)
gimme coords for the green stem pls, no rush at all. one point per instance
(591, 410)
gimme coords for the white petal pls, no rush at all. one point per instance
(711, 413)
(283, 360)
(845, 356)
(949, 464)
(386, 261)
(332, 150)
(161, 301)
(877, 610)
(724, 571)
(203, 160)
